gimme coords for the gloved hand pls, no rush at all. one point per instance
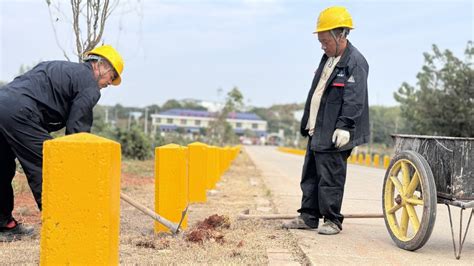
(340, 137)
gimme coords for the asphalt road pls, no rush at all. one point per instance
(362, 241)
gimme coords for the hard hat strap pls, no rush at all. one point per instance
(336, 40)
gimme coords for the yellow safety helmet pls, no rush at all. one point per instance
(114, 58)
(332, 18)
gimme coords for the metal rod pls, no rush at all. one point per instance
(170, 225)
(465, 233)
(292, 216)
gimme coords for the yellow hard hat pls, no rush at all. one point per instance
(332, 18)
(114, 58)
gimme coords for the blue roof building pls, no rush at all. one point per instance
(192, 121)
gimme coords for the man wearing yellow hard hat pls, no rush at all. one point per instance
(335, 120)
(49, 97)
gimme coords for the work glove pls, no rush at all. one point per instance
(340, 137)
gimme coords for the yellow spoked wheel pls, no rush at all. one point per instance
(409, 200)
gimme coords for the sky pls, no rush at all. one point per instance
(201, 49)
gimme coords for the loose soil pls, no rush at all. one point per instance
(215, 235)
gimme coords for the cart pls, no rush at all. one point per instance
(427, 170)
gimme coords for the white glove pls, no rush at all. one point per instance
(340, 137)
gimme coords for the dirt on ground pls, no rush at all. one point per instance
(214, 234)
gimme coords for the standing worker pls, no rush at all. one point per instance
(335, 119)
(51, 96)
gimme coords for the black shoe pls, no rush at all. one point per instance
(15, 233)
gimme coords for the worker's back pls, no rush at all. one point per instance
(61, 93)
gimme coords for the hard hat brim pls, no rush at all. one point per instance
(117, 81)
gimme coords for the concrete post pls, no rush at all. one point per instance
(81, 201)
(197, 172)
(376, 160)
(368, 159)
(171, 184)
(386, 161)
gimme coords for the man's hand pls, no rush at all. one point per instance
(340, 137)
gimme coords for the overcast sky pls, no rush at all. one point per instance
(190, 49)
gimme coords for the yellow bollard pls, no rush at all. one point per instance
(171, 184)
(368, 159)
(228, 157)
(197, 172)
(81, 201)
(217, 157)
(235, 152)
(361, 159)
(386, 161)
(376, 160)
(349, 159)
(210, 171)
(353, 158)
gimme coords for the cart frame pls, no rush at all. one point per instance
(433, 170)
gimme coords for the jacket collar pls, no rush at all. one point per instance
(345, 56)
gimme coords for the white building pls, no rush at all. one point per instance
(192, 121)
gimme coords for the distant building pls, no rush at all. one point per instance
(192, 121)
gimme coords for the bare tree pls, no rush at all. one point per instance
(90, 15)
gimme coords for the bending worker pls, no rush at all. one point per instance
(51, 96)
(335, 119)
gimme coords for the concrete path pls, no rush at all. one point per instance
(363, 241)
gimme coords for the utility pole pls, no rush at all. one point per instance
(146, 121)
(129, 120)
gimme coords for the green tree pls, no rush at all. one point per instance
(281, 116)
(443, 102)
(384, 122)
(171, 104)
(100, 127)
(193, 106)
(135, 144)
(220, 132)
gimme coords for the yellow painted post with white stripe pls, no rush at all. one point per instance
(171, 184)
(81, 201)
(197, 172)
(361, 159)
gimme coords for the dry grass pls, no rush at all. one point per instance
(232, 242)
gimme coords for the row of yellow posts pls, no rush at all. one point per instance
(184, 174)
(81, 193)
(369, 160)
(360, 158)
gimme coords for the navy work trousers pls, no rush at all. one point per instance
(22, 137)
(322, 184)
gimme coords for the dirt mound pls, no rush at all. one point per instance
(208, 229)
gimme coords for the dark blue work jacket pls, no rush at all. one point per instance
(61, 94)
(344, 103)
